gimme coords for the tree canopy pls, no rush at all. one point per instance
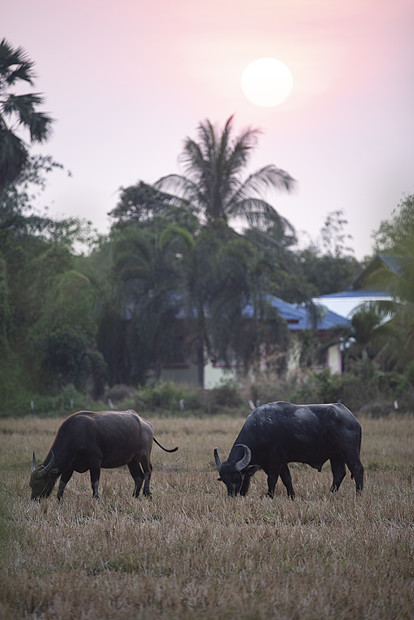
(214, 184)
(18, 112)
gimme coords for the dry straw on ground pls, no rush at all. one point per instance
(191, 552)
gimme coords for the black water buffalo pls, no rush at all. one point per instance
(91, 440)
(280, 433)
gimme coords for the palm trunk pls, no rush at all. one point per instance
(200, 361)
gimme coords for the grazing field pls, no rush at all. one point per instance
(191, 552)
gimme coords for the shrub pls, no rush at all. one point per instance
(65, 402)
(120, 393)
(226, 395)
(179, 399)
(166, 396)
(354, 390)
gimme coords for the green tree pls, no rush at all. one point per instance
(148, 294)
(5, 312)
(21, 221)
(225, 302)
(334, 240)
(325, 274)
(371, 336)
(206, 269)
(395, 238)
(213, 185)
(144, 204)
(278, 270)
(18, 111)
(244, 325)
(329, 264)
(62, 315)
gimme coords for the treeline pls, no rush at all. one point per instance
(163, 279)
(172, 279)
(110, 316)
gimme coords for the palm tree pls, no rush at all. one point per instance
(400, 309)
(215, 189)
(395, 242)
(221, 278)
(16, 112)
(213, 185)
(370, 330)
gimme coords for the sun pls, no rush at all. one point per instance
(266, 82)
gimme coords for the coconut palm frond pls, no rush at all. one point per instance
(212, 182)
(269, 177)
(178, 184)
(18, 111)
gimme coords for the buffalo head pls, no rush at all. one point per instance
(43, 478)
(232, 473)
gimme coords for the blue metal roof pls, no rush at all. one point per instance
(351, 294)
(393, 262)
(298, 316)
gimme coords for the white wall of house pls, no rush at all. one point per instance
(213, 375)
(346, 306)
(334, 359)
(187, 374)
(293, 355)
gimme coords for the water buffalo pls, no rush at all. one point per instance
(279, 433)
(91, 440)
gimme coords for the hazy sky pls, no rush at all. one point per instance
(128, 80)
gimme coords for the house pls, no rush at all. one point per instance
(333, 311)
(298, 317)
(346, 303)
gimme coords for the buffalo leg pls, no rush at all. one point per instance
(287, 480)
(147, 469)
(245, 485)
(338, 472)
(138, 476)
(64, 479)
(95, 473)
(147, 478)
(357, 470)
(271, 483)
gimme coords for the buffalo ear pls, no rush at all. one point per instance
(220, 479)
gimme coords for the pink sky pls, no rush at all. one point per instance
(127, 81)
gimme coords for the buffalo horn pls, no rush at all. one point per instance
(33, 461)
(46, 469)
(217, 458)
(246, 458)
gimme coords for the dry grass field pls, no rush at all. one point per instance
(191, 552)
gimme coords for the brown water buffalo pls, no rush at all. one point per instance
(279, 433)
(89, 440)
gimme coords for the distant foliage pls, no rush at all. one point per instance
(396, 234)
(329, 264)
